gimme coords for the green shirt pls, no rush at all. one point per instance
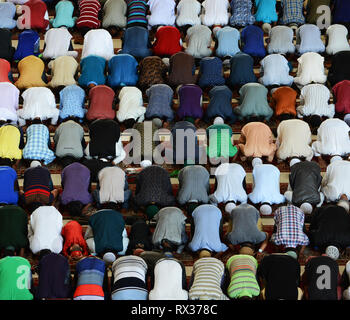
(13, 227)
(220, 145)
(15, 279)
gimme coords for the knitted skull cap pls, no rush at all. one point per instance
(306, 208)
(332, 252)
(204, 253)
(256, 161)
(109, 257)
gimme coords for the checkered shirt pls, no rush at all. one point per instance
(289, 221)
(292, 12)
(36, 148)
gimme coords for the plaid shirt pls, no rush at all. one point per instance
(37, 146)
(292, 12)
(289, 221)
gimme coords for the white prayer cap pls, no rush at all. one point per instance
(344, 204)
(306, 208)
(35, 163)
(256, 161)
(109, 257)
(336, 158)
(145, 163)
(266, 27)
(265, 209)
(294, 161)
(229, 207)
(219, 120)
(332, 252)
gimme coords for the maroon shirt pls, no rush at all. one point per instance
(101, 103)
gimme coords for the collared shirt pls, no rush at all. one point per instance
(289, 221)
(293, 11)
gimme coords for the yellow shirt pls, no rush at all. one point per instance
(31, 69)
(9, 142)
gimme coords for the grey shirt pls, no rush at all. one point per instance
(68, 139)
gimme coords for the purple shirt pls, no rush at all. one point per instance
(75, 183)
(190, 101)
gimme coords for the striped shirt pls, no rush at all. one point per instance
(289, 222)
(243, 282)
(207, 276)
(89, 10)
(129, 276)
(137, 13)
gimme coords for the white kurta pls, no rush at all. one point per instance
(57, 41)
(162, 12)
(215, 12)
(310, 69)
(130, 104)
(314, 101)
(63, 69)
(44, 230)
(294, 139)
(98, 42)
(188, 12)
(266, 185)
(229, 177)
(38, 102)
(337, 39)
(111, 181)
(336, 181)
(168, 287)
(332, 138)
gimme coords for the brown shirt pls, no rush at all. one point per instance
(181, 69)
(284, 99)
(152, 70)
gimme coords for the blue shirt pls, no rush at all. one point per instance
(122, 71)
(72, 100)
(211, 72)
(253, 41)
(266, 11)
(160, 98)
(241, 70)
(7, 14)
(92, 71)
(241, 13)
(292, 11)
(64, 12)
(227, 42)
(341, 11)
(28, 45)
(136, 42)
(8, 177)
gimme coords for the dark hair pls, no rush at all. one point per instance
(36, 121)
(33, 206)
(110, 205)
(43, 253)
(5, 162)
(314, 121)
(285, 116)
(74, 208)
(67, 160)
(129, 123)
(8, 253)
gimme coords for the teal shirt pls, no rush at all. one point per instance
(64, 15)
(219, 140)
(107, 226)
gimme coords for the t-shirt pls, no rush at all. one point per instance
(190, 101)
(181, 69)
(114, 14)
(285, 100)
(228, 39)
(266, 11)
(252, 39)
(152, 70)
(188, 12)
(241, 69)
(275, 71)
(63, 70)
(341, 95)
(281, 273)
(210, 72)
(241, 13)
(160, 99)
(341, 11)
(337, 39)
(38, 15)
(72, 102)
(130, 104)
(64, 15)
(11, 142)
(309, 39)
(215, 12)
(8, 179)
(13, 227)
(7, 14)
(9, 101)
(199, 41)
(98, 42)
(28, 44)
(92, 71)
(101, 100)
(340, 68)
(15, 270)
(122, 71)
(281, 40)
(136, 13)
(167, 41)
(88, 14)
(310, 69)
(162, 12)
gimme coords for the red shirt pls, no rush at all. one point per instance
(101, 103)
(37, 13)
(72, 233)
(341, 93)
(167, 41)
(5, 68)
(88, 17)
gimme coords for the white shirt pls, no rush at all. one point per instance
(166, 287)
(309, 39)
(38, 102)
(266, 185)
(57, 41)
(130, 104)
(111, 181)
(281, 40)
(188, 12)
(337, 39)
(162, 12)
(294, 139)
(310, 69)
(215, 12)
(199, 41)
(44, 230)
(276, 71)
(229, 177)
(9, 101)
(332, 138)
(314, 101)
(98, 42)
(336, 181)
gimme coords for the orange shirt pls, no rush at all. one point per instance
(284, 98)
(5, 68)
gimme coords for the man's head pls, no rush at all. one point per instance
(292, 252)
(246, 250)
(229, 207)
(294, 161)
(151, 210)
(332, 252)
(109, 257)
(35, 163)
(76, 252)
(75, 208)
(256, 161)
(204, 254)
